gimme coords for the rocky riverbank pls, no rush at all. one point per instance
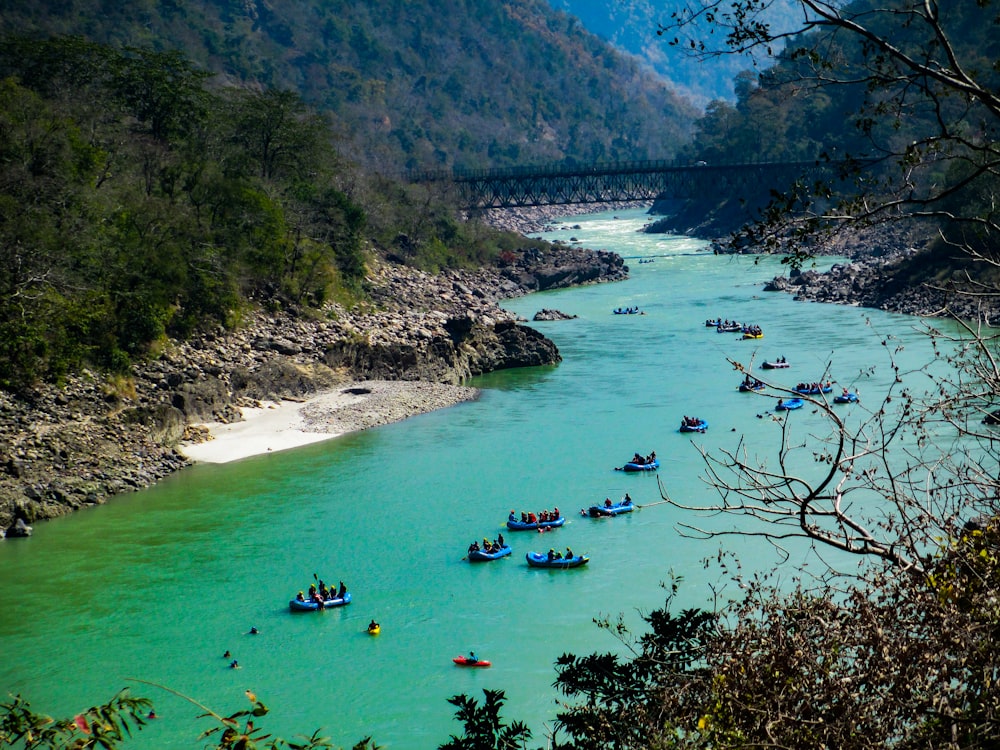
(536, 219)
(892, 267)
(899, 269)
(74, 445)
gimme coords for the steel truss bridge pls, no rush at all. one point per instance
(560, 184)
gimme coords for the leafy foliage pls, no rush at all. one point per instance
(623, 700)
(484, 727)
(902, 661)
(110, 725)
(105, 726)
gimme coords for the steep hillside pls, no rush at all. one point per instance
(631, 25)
(909, 86)
(415, 84)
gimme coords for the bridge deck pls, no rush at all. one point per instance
(561, 184)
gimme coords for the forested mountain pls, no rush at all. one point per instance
(632, 25)
(787, 112)
(415, 84)
(911, 95)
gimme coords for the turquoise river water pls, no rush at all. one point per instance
(159, 584)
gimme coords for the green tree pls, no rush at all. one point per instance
(484, 728)
(106, 726)
(112, 724)
(44, 163)
(163, 90)
(276, 134)
(632, 701)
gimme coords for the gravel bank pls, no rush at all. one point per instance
(379, 402)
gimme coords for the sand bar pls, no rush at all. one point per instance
(277, 426)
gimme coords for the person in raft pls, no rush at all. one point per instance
(544, 516)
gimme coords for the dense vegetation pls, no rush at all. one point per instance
(137, 201)
(907, 87)
(786, 113)
(413, 84)
(836, 94)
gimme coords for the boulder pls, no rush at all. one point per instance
(521, 346)
(206, 400)
(165, 422)
(547, 314)
(19, 529)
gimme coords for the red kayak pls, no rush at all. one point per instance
(465, 661)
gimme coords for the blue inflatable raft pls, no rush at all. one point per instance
(699, 425)
(515, 525)
(479, 555)
(307, 606)
(616, 509)
(630, 466)
(789, 404)
(538, 560)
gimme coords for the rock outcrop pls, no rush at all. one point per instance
(547, 314)
(898, 269)
(565, 266)
(466, 348)
(892, 266)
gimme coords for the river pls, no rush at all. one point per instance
(158, 585)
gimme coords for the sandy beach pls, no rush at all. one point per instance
(277, 426)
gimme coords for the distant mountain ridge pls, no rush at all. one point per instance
(631, 26)
(415, 84)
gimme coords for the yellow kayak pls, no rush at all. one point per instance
(374, 630)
